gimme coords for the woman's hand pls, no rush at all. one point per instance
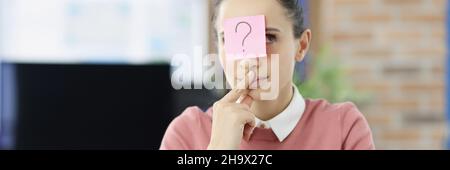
(232, 119)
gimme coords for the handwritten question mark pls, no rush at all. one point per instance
(250, 31)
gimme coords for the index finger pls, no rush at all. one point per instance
(235, 93)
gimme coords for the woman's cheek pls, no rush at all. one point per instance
(269, 50)
(230, 70)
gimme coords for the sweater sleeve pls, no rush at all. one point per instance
(177, 135)
(184, 132)
(173, 138)
(356, 133)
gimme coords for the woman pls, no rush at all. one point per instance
(242, 120)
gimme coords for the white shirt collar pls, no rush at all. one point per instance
(284, 123)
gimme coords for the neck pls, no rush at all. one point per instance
(266, 110)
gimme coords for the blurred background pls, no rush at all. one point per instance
(95, 74)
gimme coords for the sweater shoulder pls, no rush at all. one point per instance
(344, 120)
(321, 107)
(187, 130)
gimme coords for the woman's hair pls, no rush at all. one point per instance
(294, 11)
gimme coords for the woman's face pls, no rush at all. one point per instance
(279, 40)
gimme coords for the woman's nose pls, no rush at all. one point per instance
(248, 64)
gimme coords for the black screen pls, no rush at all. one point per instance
(89, 106)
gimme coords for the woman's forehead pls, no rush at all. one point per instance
(274, 13)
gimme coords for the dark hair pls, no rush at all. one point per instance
(294, 11)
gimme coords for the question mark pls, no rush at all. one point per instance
(236, 30)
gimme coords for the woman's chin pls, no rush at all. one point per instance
(262, 90)
(262, 95)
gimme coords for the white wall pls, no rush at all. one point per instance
(101, 31)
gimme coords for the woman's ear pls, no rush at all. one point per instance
(304, 44)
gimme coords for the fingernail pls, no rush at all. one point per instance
(251, 75)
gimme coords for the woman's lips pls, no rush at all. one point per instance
(261, 78)
(258, 81)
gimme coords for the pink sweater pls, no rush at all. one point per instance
(323, 126)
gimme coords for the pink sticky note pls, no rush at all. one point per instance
(245, 37)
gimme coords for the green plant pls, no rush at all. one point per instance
(326, 79)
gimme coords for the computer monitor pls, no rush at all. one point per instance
(75, 106)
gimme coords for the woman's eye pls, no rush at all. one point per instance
(270, 38)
